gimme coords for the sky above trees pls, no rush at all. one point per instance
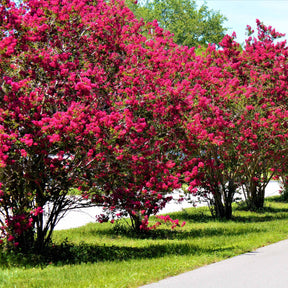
(245, 12)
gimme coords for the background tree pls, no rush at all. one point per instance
(191, 26)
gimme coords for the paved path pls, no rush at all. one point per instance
(266, 267)
(80, 217)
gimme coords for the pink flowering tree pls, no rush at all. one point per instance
(238, 120)
(211, 168)
(50, 114)
(142, 170)
(86, 101)
(263, 143)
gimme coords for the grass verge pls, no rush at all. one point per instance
(105, 255)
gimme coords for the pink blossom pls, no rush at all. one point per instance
(23, 153)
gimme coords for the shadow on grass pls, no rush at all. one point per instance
(71, 253)
(168, 234)
(68, 253)
(267, 213)
(200, 216)
(264, 214)
(197, 216)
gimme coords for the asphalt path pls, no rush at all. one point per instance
(267, 267)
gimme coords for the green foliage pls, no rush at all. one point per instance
(191, 26)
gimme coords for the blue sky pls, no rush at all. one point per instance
(245, 12)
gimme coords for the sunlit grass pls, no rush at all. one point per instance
(119, 258)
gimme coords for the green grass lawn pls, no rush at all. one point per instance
(105, 255)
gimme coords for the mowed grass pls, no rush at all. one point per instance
(105, 255)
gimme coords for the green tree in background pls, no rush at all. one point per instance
(190, 26)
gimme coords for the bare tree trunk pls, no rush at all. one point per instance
(256, 195)
(223, 199)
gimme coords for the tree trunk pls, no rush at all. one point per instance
(224, 210)
(228, 210)
(219, 208)
(284, 187)
(136, 222)
(257, 199)
(257, 196)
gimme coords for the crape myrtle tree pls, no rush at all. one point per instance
(138, 178)
(218, 129)
(190, 25)
(86, 101)
(264, 124)
(238, 121)
(210, 130)
(50, 76)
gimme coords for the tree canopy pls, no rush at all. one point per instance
(191, 26)
(81, 106)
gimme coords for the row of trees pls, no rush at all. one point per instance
(88, 101)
